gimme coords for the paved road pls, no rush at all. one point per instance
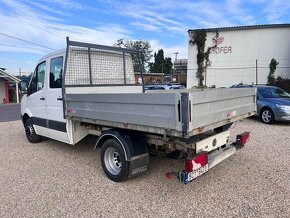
(53, 179)
(9, 112)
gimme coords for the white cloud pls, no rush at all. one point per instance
(39, 28)
(146, 26)
(275, 10)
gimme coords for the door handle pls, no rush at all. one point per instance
(60, 99)
(42, 98)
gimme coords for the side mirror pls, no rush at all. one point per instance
(23, 88)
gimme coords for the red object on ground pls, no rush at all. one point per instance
(169, 175)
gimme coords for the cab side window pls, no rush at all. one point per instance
(37, 80)
(55, 80)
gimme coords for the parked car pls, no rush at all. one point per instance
(164, 87)
(273, 103)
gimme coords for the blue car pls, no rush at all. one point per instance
(273, 103)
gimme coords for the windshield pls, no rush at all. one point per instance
(271, 92)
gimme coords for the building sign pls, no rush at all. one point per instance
(220, 49)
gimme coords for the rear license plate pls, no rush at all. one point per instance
(196, 173)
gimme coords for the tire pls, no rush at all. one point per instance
(267, 116)
(113, 161)
(30, 132)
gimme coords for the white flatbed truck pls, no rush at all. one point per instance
(91, 89)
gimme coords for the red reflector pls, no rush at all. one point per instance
(193, 164)
(169, 175)
(243, 138)
(188, 165)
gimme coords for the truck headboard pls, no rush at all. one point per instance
(97, 65)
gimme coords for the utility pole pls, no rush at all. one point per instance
(162, 72)
(19, 71)
(256, 72)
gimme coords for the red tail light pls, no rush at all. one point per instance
(243, 138)
(193, 164)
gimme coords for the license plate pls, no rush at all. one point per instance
(197, 172)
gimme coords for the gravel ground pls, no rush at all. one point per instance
(54, 179)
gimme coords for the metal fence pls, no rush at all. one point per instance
(97, 65)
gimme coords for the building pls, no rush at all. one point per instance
(180, 66)
(149, 78)
(5, 80)
(242, 54)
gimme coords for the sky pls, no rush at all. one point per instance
(163, 23)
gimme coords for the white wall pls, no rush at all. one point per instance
(2, 90)
(235, 58)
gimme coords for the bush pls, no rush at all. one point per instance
(271, 77)
(283, 83)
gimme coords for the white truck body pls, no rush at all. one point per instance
(90, 89)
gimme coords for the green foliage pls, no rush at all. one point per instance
(161, 64)
(283, 83)
(167, 68)
(198, 38)
(143, 46)
(271, 77)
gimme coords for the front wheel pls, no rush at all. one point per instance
(113, 161)
(267, 116)
(30, 132)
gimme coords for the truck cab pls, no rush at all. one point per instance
(42, 106)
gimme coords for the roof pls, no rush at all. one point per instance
(61, 51)
(8, 77)
(249, 27)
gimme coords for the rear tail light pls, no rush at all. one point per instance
(195, 163)
(243, 138)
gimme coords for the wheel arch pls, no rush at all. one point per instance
(134, 145)
(25, 117)
(133, 142)
(112, 134)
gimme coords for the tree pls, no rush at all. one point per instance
(198, 38)
(167, 65)
(143, 46)
(160, 64)
(271, 77)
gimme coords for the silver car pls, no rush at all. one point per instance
(273, 104)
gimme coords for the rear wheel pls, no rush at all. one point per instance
(113, 161)
(30, 132)
(267, 116)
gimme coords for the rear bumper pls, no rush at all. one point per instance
(214, 158)
(221, 154)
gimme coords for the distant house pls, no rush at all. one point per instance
(5, 80)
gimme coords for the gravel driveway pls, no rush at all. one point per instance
(52, 179)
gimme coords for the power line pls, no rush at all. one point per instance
(23, 40)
